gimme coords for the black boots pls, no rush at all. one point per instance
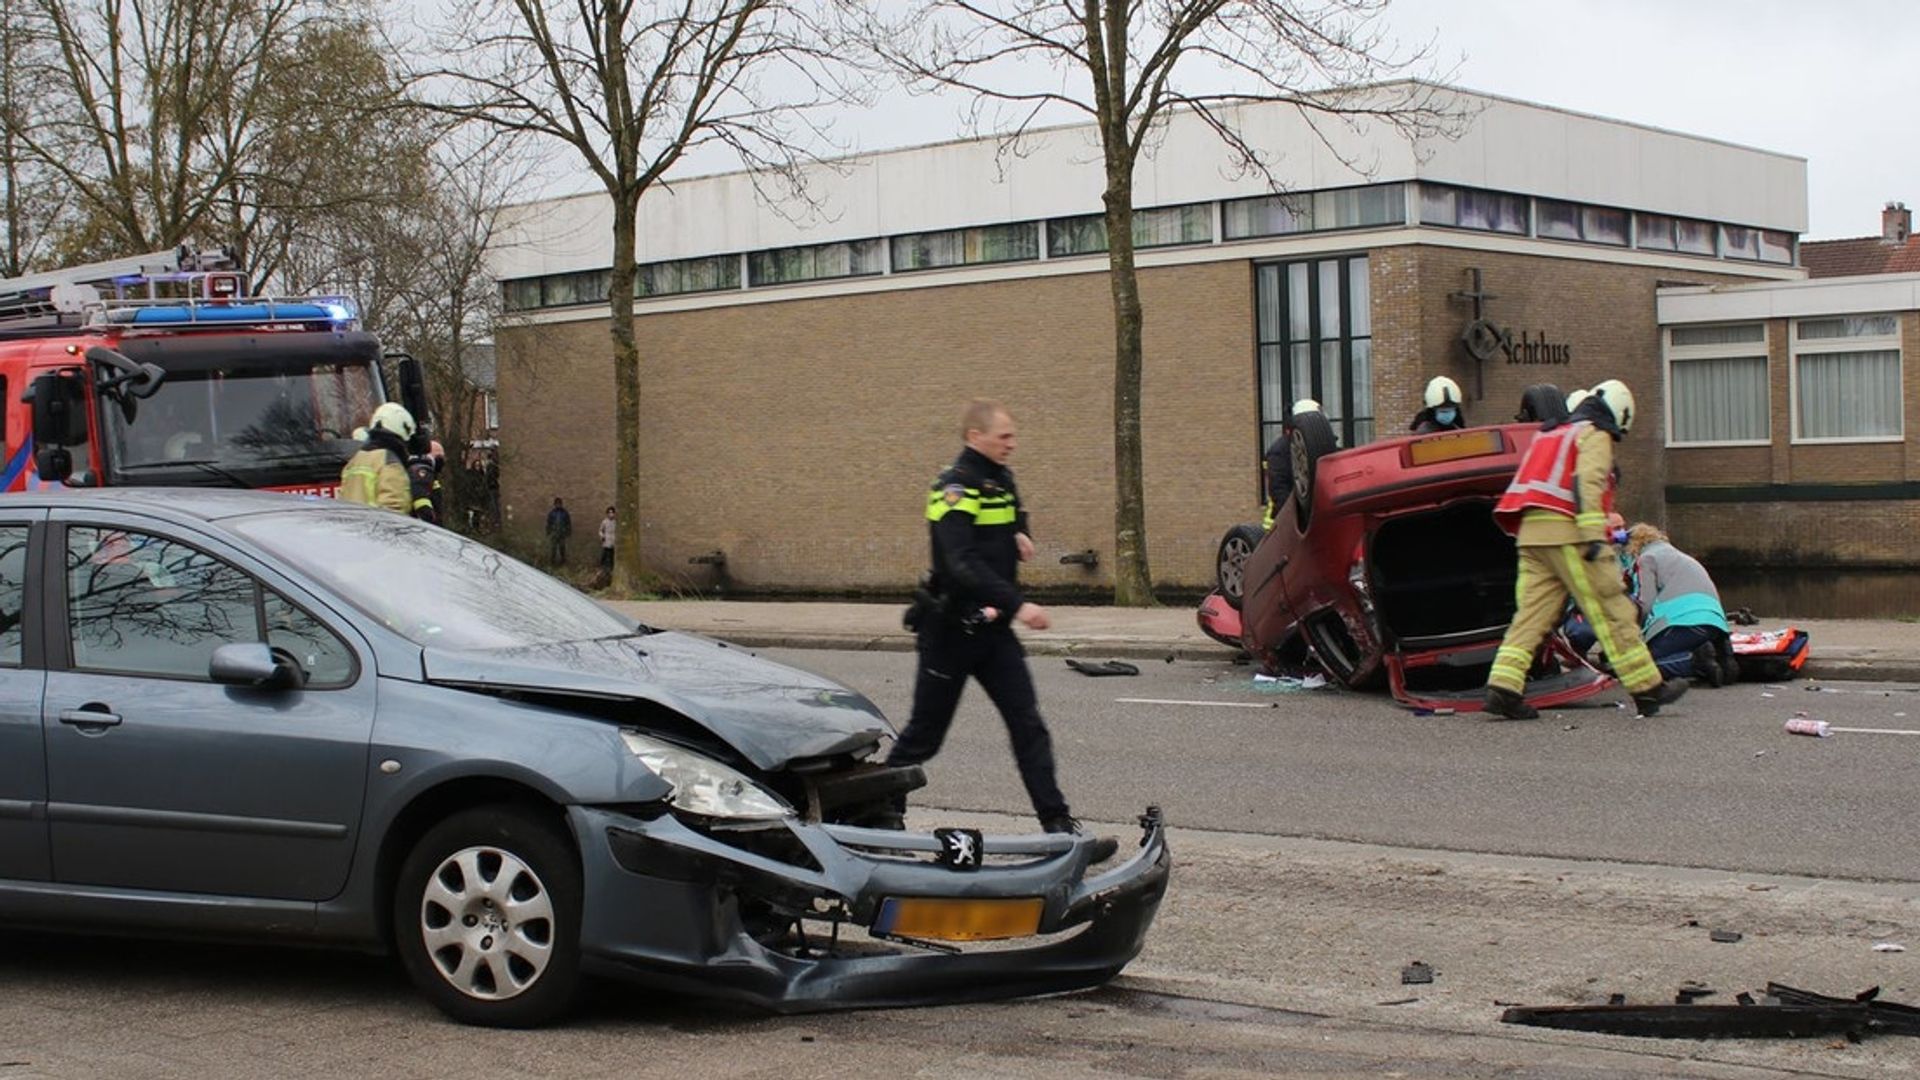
(1503, 704)
(1666, 693)
(1103, 847)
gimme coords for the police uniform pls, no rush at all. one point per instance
(973, 515)
(1556, 511)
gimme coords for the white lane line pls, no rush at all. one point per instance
(1220, 704)
(1875, 730)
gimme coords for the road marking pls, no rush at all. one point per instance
(1221, 704)
(1874, 730)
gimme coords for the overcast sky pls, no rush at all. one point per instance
(1833, 81)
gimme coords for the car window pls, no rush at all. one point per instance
(431, 585)
(143, 604)
(327, 659)
(13, 591)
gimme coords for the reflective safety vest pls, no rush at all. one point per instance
(1548, 478)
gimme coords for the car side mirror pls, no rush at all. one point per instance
(256, 665)
(58, 405)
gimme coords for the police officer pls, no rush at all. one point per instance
(377, 474)
(980, 535)
(1556, 510)
(1278, 466)
(1443, 411)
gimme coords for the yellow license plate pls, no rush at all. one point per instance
(1466, 444)
(959, 920)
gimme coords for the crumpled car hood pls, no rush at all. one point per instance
(769, 712)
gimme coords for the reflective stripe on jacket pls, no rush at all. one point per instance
(375, 476)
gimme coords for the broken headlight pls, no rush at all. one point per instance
(702, 785)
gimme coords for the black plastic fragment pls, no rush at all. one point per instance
(1801, 1014)
(1725, 937)
(1416, 973)
(1105, 667)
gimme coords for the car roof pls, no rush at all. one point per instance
(206, 504)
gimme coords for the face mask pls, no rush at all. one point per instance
(1446, 415)
(1619, 536)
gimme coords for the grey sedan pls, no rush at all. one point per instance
(245, 715)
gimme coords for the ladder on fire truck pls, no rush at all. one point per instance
(61, 298)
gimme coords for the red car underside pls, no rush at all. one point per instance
(1399, 576)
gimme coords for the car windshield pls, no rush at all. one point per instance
(432, 586)
(247, 418)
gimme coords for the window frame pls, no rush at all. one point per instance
(1347, 427)
(1742, 350)
(1829, 346)
(57, 621)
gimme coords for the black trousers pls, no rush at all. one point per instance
(949, 655)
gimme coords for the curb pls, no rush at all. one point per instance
(1131, 649)
(1840, 668)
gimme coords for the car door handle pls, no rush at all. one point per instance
(89, 718)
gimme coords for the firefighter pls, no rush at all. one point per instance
(1443, 411)
(377, 474)
(1278, 466)
(963, 616)
(1556, 510)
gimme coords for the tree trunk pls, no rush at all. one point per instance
(1132, 579)
(628, 570)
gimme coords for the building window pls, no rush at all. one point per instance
(1717, 385)
(1315, 211)
(964, 247)
(816, 262)
(1759, 245)
(710, 274)
(492, 409)
(522, 294)
(1658, 232)
(1846, 379)
(1315, 328)
(563, 290)
(1162, 226)
(1469, 208)
(1558, 220)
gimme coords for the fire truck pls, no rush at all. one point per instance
(162, 370)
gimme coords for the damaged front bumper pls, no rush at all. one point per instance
(785, 919)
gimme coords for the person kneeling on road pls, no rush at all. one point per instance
(963, 618)
(1556, 510)
(1686, 627)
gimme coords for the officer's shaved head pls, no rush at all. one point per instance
(987, 428)
(980, 415)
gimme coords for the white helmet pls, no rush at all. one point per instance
(1619, 400)
(1305, 405)
(394, 419)
(1574, 399)
(1442, 391)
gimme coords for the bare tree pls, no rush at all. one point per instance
(631, 87)
(169, 121)
(1128, 65)
(29, 194)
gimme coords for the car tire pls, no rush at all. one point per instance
(486, 917)
(1230, 565)
(1544, 402)
(1312, 440)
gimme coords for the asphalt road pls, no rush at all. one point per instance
(1712, 782)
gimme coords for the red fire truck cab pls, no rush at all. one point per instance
(193, 384)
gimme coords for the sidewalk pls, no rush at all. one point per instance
(1842, 648)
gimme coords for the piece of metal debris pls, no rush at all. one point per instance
(1725, 937)
(1888, 946)
(1799, 1014)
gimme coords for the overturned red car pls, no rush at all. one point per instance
(1385, 565)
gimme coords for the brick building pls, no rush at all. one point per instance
(803, 372)
(1789, 443)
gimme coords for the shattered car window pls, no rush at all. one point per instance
(432, 586)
